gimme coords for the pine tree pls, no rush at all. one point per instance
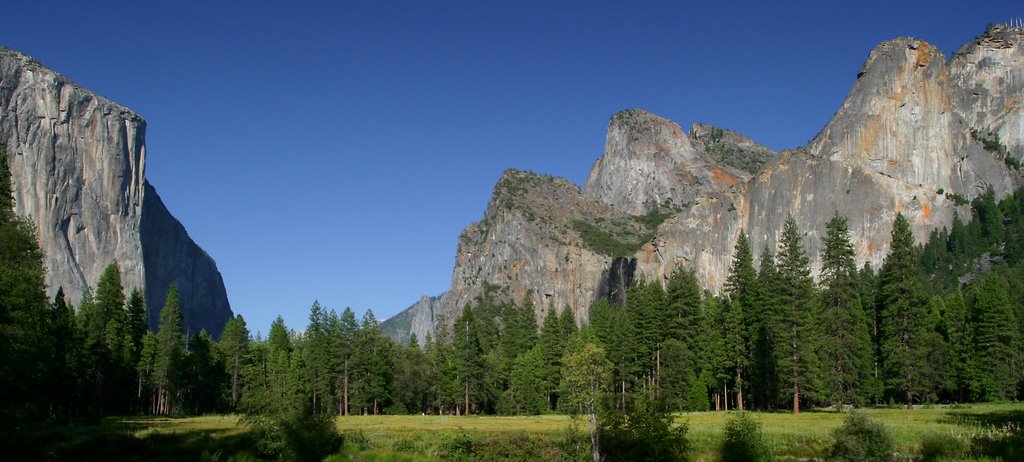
(904, 315)
(346, 332)
(234, 348)
(526, 383)
(320, 358)
(874, 388)
(996, 340)
(24, 312)
(136, 318)
(65, 365)
(170, 352)
(763, 315)
(684, 301)
(205, 375)
(797, 333)
(740, 316)
(370, 366)
(959, 338)
(739, 285)
(845, 349)
(469, 361)
(711, 357)
(144, 370)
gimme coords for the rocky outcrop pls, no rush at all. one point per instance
(648, 162)
(900, 143)
(417, 320)
(78, 167)
(988, 85)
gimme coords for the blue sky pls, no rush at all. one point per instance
(335, 150)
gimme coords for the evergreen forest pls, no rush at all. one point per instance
(936, 323)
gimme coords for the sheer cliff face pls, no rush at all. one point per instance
(78, 167)
(988, 78)
(648, 161)
(900, 142)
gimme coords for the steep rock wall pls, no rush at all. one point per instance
(78, 167)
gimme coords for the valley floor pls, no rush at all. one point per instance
(545, 437)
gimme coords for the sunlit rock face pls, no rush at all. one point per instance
(78, 168)
(901, 142)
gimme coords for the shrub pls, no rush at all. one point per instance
(743, 440)
(647, 432)
(860, 439)
(298, 436)
(938, 446)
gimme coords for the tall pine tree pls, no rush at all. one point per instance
(845, 349)
(797, 333)
(904, 315)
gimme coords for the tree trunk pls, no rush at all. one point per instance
(234, 384)
(739, 391)
(718, 402)
(910, 400)
(467, 398)
(796, 399)
(595, 451)
(345, 394)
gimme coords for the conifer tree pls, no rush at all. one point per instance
(764, 315)
(996, 340)
(64, 366)
(346, 332)
(712, 351)
(737, 355)
(526, 383)
(684, 302)
(796, 336)
(234, 348)
(468, 358)
(845, 349)
(170, 352)
(135, 310)
(958, 336)
(904, 315)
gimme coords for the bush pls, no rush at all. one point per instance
(937, 446)
(743, 440)
(298, 436)
(647, 432)
(860, 439)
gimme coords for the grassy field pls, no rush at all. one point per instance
(798, 437)
(409, 438)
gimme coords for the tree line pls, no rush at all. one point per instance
(938, 322)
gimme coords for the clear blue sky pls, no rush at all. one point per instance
(335, 150)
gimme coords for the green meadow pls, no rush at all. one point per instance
(993, 429)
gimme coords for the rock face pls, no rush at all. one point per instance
(648, 161)
(78, 167)
(900, 143)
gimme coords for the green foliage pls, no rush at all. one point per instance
(645, 432)
(905, 325)
(296, 435)
(796, 333)
(23, 312)
(604, 242)
(845, 349)
(744, 441)
(617, 239)
(861, 440)
(939, 446)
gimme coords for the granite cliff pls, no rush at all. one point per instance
(78, 167)
(909, 138)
